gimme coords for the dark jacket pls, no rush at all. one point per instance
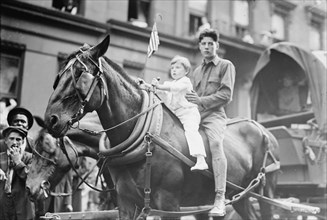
(24, 208)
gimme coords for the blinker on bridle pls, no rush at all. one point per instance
(96, 79)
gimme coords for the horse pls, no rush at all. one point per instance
(147, 177)
(50, 163)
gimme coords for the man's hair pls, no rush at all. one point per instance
(209, 33)
(184, 61)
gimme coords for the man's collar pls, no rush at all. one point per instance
(215, 61)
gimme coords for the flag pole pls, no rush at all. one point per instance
(153, 41)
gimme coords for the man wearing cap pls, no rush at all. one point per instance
(23, 118)
(15, 203)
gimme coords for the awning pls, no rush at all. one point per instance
(313, 68)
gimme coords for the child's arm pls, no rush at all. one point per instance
(164, 87)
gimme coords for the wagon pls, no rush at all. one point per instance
(300, 130)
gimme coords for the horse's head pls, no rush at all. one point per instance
(48, 165)
(79, 88)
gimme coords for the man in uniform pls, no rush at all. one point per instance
(213, 82)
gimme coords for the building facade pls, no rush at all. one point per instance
(37, 35)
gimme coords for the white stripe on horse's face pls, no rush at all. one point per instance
(49, 143)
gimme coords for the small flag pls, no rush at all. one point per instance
(154, 41)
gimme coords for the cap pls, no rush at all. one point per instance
(23, 111)
(10, 129)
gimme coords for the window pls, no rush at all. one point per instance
(195, 23)
(316, 19)
(71, 6)
(314, 36)
(241, 17)
(280, 19)
(197, 16)
(10, 69)
(278, 26)
(138, 12)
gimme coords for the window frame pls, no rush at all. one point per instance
(11, 49)
(285, 28)
(136, 8)
(240, 30)
(79, 4)
(196, 16)
(284, 9)
(317, 18)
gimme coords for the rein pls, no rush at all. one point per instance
(144, 111)
(35, 152)
(62, 146)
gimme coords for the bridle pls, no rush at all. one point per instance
(62, 147)
(35, 152)
(98, 78)
(45, 185)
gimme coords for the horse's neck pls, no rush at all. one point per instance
(123, 102)
(86, 150)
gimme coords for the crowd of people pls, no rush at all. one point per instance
(16, 154)
(196, 97)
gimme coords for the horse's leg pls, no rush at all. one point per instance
(245, 209)
(167, 200)
(127, 210)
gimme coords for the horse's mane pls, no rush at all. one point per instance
(121, 71)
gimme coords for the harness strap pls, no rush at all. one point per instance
(147, 188)
(60, 194)
(135, 133)
(133, 141)
(146, 126)
(73, 167)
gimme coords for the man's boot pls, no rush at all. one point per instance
(219, 167)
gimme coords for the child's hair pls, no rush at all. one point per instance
(184, 61)
(209, 33)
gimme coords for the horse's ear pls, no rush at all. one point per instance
(100, 49)
(39, 121)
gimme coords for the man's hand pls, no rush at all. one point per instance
(15, 154)
(2, 175)
(193, 97)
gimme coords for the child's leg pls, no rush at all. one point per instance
(190, 120)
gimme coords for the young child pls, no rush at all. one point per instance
(187, 112)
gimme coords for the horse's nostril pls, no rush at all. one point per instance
(53, 119)
(28, 191)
